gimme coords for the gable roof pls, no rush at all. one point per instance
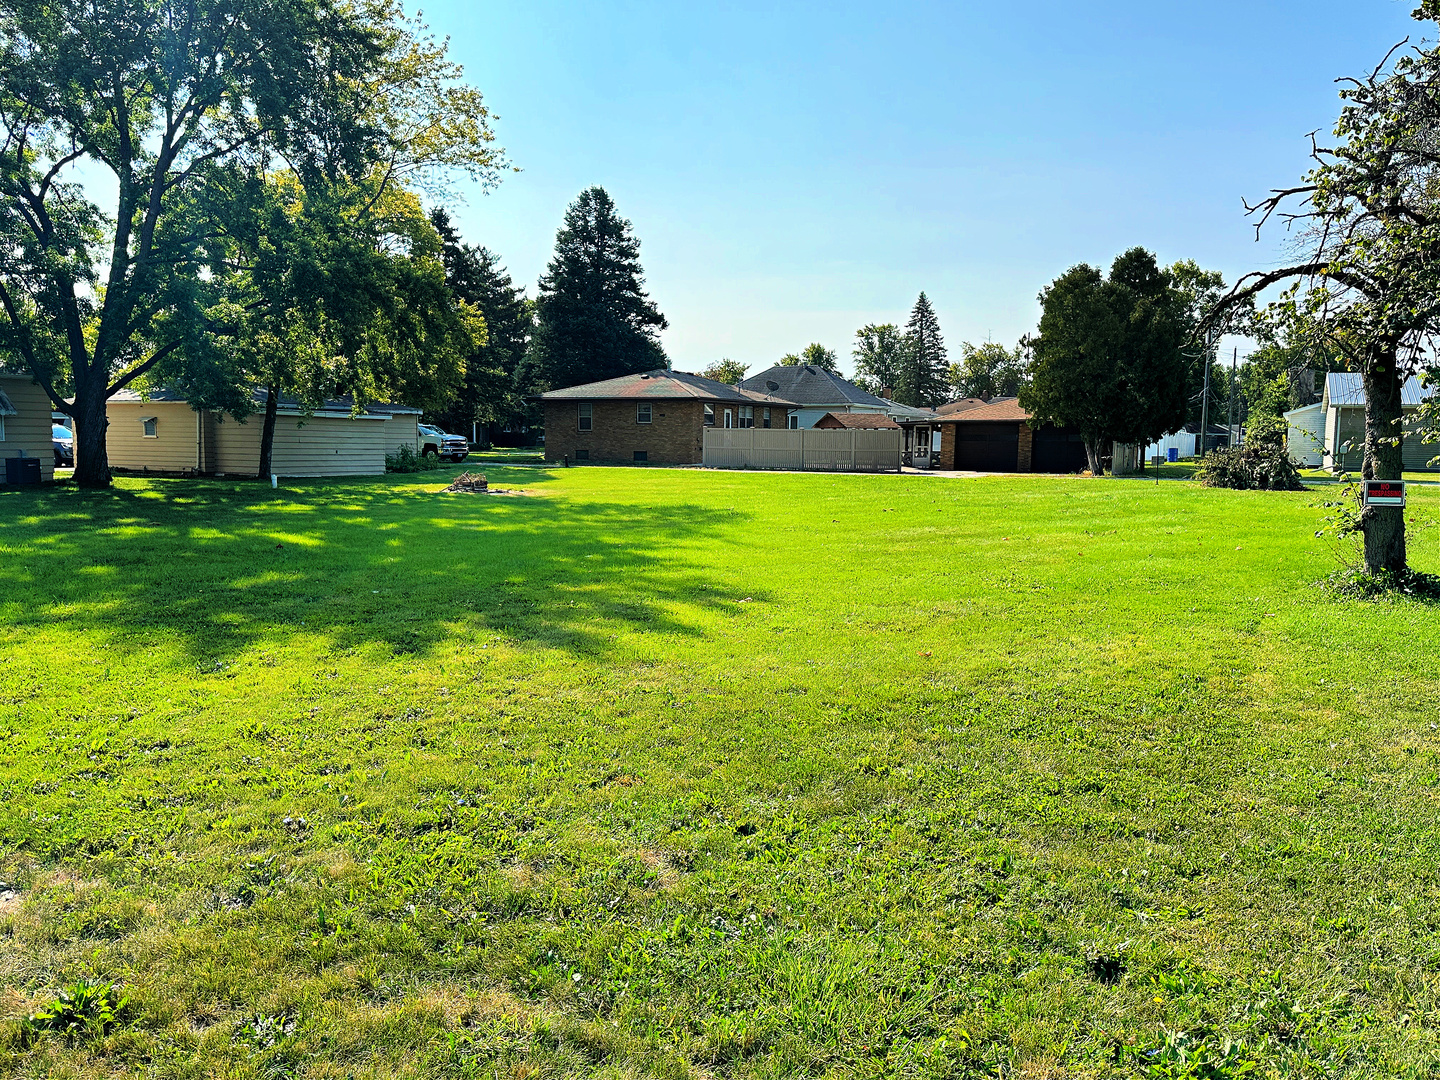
(962, 405)
(1348, 388)
(661, 384)
(806, 384)
(1000, 409)
(864, 420)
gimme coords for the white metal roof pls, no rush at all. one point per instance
(1347, 388)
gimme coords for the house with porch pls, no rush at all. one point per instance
(996, 436)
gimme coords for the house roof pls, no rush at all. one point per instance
(860, 420)
(340, 406)
(962, 405)
(7, 407)
(662, 384)
(806, 384)
(1348, 388)
(1000, 409)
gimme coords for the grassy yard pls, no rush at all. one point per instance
(687, 774)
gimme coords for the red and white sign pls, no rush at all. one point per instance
(1384, 492)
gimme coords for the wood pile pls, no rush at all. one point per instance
(473, 483)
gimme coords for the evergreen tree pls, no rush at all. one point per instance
(593, 318)
(490, 394)
(923, 369)
(878, 352)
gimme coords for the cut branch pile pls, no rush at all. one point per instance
(474, 483)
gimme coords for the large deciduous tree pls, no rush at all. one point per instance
(1366, 287)
(173, 98)
(1109, 358)
(594, 319)
(923, 370)
(816, 355)
(878, 352)
(729, 372)
(988, 370)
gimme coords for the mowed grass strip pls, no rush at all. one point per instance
(677, 773)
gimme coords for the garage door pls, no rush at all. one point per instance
(987, 447)
(1058, 450)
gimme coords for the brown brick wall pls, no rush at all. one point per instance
(673, 436)
(1027, 446)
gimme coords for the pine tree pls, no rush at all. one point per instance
(593, 318)
(474, 274)
(923, 369)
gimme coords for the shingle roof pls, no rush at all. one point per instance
(859, 420)
(997, 410)
(1347, 388)
(806, 384)
(963, 405)
(663, 384)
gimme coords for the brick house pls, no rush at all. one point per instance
(997, 436)
(656, 416)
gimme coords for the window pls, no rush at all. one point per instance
(150, 426)
(747, 415)
(709, 415)
(729, 419)
(2, 429)
(793, 422)
(766, 420)
(587, 416)
(582, 455)
(642, 414)
(642, 455)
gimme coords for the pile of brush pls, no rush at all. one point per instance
(474, 483)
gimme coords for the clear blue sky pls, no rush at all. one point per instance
(795, 170)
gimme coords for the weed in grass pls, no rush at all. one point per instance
(86, 1009)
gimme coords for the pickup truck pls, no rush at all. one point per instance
(441, 444)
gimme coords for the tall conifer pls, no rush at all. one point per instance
(594, 319)
(923, 369)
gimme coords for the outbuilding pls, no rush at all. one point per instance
(856, 421)
(160, 432)
(25, 432)
(997, 436)
(1342, 436)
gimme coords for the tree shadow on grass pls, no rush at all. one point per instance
(217, 566)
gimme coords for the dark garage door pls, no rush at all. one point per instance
(987, 447)
(1058, 450)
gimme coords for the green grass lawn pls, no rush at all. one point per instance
(697, 774)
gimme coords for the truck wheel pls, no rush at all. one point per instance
(431, 454)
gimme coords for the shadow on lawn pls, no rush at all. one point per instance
(219, 566)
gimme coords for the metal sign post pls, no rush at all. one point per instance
(1383, 492)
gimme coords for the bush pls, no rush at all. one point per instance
(405, 460)
(1261, 466)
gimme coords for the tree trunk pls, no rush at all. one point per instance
(92, 461)
(1092, 453)
(267, 431)
(1384, 526)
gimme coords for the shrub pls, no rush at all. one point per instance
(85, 1007)
(405, 460)
(1261, 466)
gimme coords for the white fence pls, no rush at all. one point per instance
(817, 449)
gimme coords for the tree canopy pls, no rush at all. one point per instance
(988, 370)
(1109, 356)
(594, 319)
(816, 355)
(179, 100)
(922, 374)
(726, 371)
(878, 351)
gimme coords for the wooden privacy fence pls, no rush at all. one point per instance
(853, 450)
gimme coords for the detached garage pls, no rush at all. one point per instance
(998, 437)
(161, 433)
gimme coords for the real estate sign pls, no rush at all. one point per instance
(1384, 492)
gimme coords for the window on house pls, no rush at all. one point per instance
(587, 416)
(766, 418)
(150, 425)
(729, 418)
(642, 414)
(582, 455)
(2, 429)
(642, 455)
(709, 415)
(794, 422)
(747, 415)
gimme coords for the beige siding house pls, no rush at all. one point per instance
(161, 433)
(25, 424)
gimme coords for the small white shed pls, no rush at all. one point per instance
(1305, 434)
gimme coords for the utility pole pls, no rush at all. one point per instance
(1204, 405)
(1230, 425)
